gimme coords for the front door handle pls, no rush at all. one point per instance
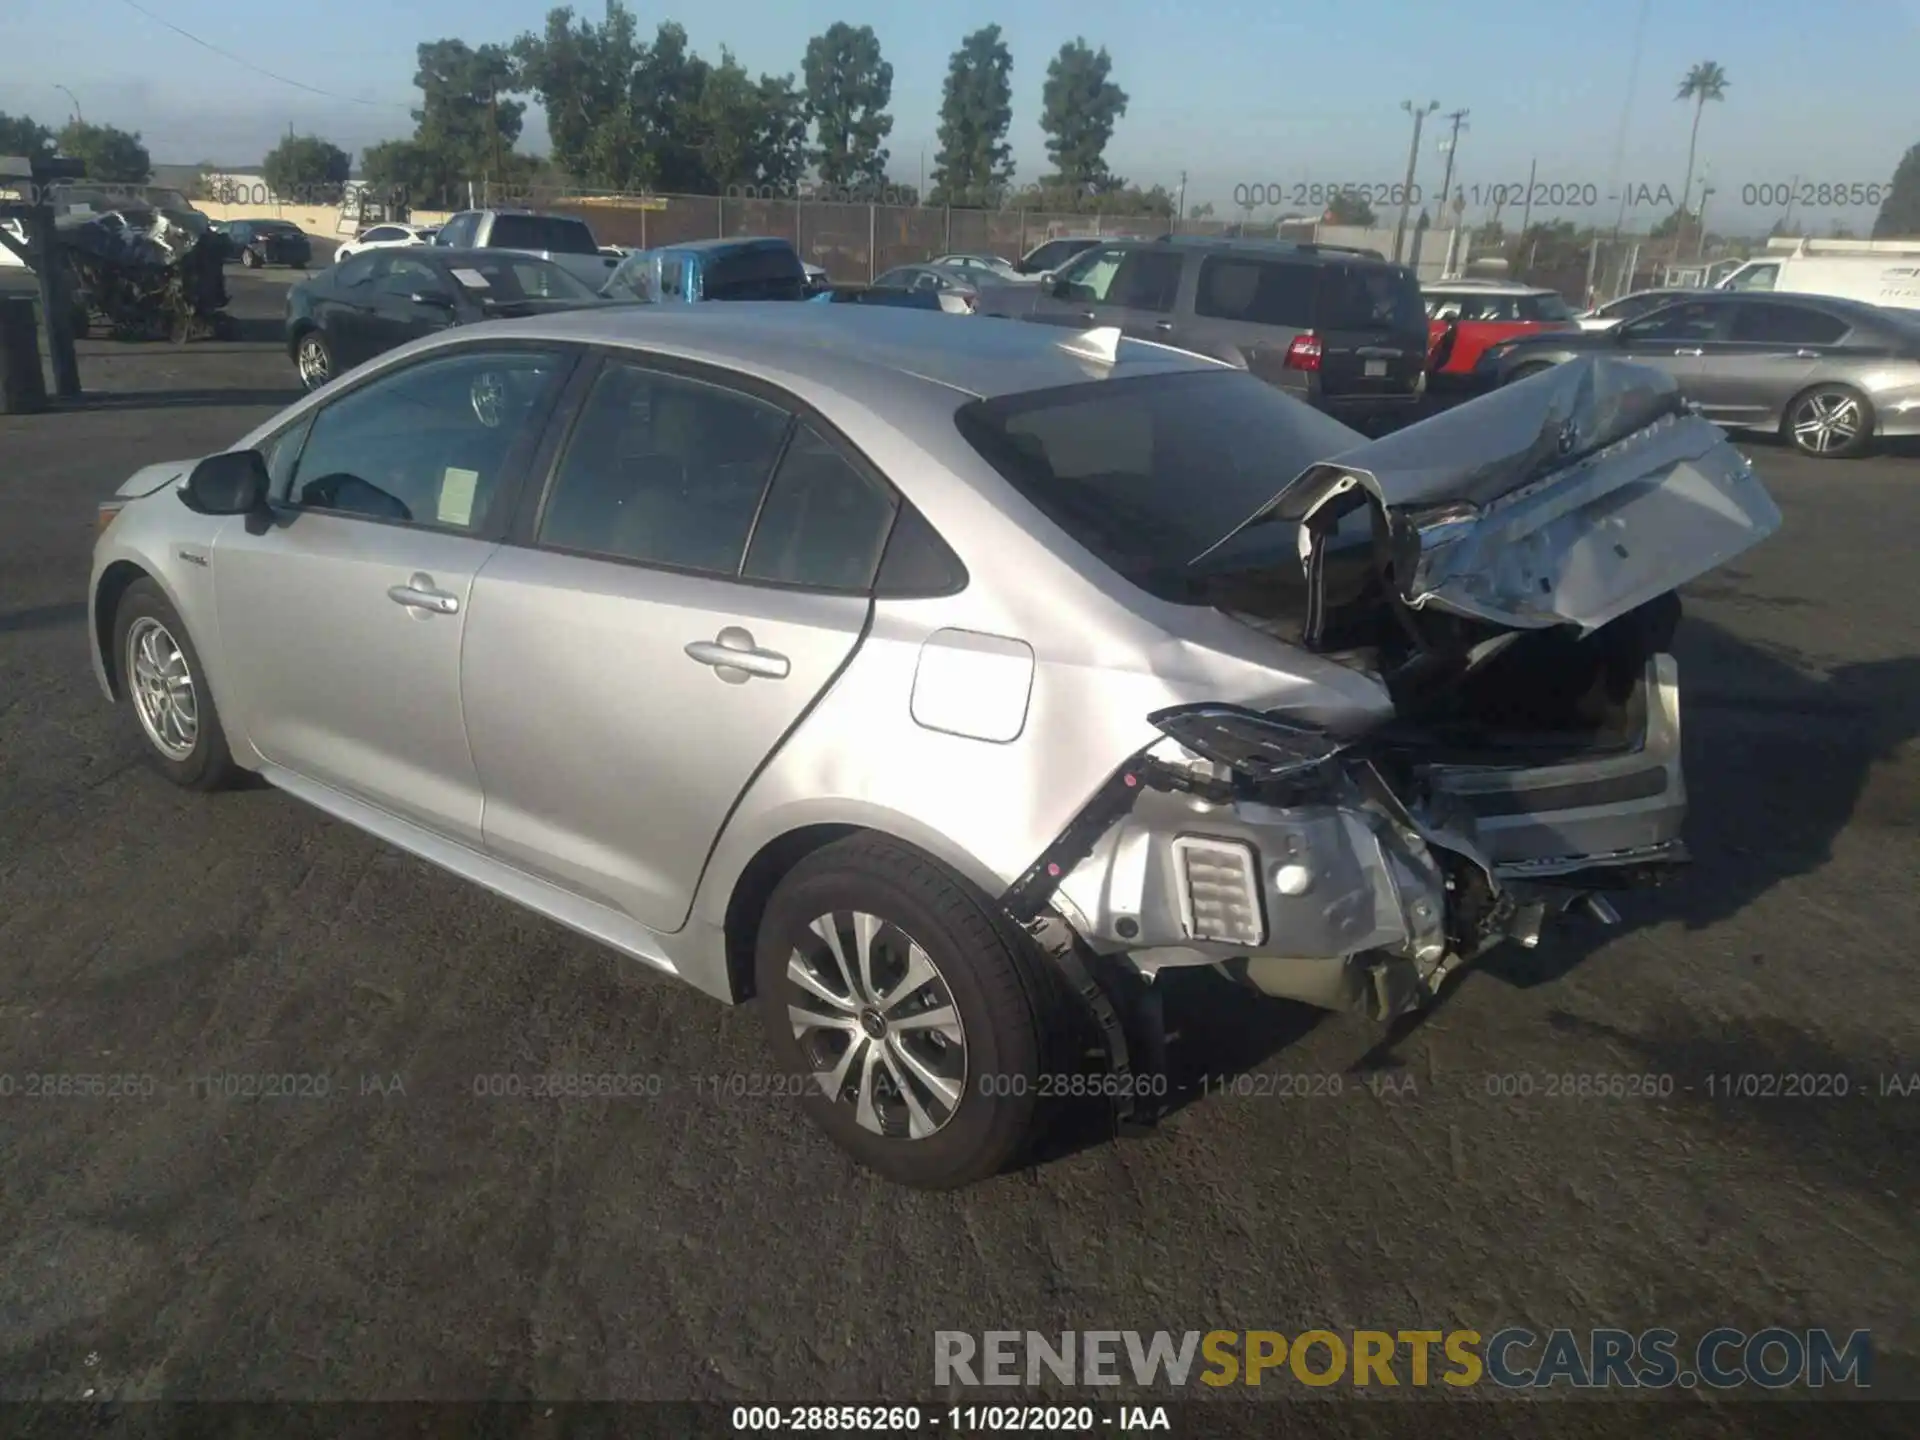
(1689, 352)
(1806, 354)
(1165, 327)
(1087, 315)
(420, 593)
(735, 658)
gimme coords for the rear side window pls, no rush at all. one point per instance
(769, 272)
(1259, 292)
(1370, 297)
(1775, 324)
(1544, 307)
(1148, 280)
(664, 470)
(823, 524)
(542, 232)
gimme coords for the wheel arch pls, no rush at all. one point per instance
(114, 583)
(752, 885)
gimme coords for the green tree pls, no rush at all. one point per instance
(1705, 81)
(975, 162)
(306, 165)
(782, 152)
(464, 129)
(1080, 105)
(1900, 211)
(849, 87)
(23, 135)
(666, 93)
(112, 156)
(1350, 208)
(749, 132)
(583, 76)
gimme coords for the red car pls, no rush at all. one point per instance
(1464, 317)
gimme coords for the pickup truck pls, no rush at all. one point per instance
(566, 241)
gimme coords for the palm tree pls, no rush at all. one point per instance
(1705, 81)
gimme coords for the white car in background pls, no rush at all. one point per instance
(15, 229)
(382, 237)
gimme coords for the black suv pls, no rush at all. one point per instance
(1342, 329)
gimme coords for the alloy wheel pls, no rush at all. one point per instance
(313, 362)
(163, 688)
(877, 1024)
(1826, 421)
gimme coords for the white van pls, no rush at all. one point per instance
(1885, 279)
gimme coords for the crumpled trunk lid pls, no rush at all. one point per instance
(1572, 498)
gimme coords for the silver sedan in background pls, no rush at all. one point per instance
(1829, 376)
(959, 291)
(938, 686)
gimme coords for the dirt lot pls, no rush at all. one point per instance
(403, 1238)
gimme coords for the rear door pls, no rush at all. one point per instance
(1763, 354)
(657, 623)
(1373, 332)
(394, 316)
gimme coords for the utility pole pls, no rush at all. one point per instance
(1700, 247)
(1419, 114)
(1526, 213)
(78, 118)
(1180, 205)
(1450, 145)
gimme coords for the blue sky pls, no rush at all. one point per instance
(1230, 91)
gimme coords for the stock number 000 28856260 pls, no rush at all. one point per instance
(1817, 194)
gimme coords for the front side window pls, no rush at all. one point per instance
(403, 276)
(824, 522)
(1757, 277)
(1089, 277)
(382, 232)
(1544, 307)
(1691, 322)
(664, 470)
(355, 271)
(1148, 280)
(427, 445)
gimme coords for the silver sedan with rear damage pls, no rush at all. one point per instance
(938, 687)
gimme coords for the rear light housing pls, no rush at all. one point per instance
(1304, 352)
(106, 514)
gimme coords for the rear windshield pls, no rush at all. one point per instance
(1149, 472)
(1370, 297)
(503, 281)
(542, 232)
(765, 272)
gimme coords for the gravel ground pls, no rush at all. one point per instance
(402, 1238)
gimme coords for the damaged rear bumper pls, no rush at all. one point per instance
(1328, 884)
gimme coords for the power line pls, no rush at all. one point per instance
(249, 65)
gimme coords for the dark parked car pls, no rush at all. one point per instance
(898, 299)
(1829, 376)
(1052, 254)
(1338, 328)
(350, 312)
(956, 292)
(255, 243)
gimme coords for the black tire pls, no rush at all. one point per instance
(1009, 1008)
(208, 765)
(251, 259)
(316, 342)
(1527, 371)
(1802, 409)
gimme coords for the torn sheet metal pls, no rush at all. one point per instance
(1570, 499)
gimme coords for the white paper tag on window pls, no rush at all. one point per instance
(456, 496)
(472, 279)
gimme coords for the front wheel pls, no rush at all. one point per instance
(918, 1018)
(1829, 422)
(315, 359)
(166, 685)
(251, 259)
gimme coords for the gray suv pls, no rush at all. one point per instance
(1341, 329)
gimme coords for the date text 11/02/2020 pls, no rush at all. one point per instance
(1559, 194)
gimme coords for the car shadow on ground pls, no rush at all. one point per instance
(1750, 713)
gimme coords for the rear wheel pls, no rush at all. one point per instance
(162, 678)
(251, 259)
(1831, 422)
(919, 1018)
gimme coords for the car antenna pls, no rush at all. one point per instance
(1102, 344)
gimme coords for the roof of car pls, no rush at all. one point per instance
(1500, 287)
(729, 242)
(854, 348)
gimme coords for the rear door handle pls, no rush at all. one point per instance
(736, 659)
(1689, 352)
(419, 593)
(1165, 327)
(1806, 354)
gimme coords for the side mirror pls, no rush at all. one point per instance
(439, 299)
(233, 483)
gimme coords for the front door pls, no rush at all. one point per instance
(623, 683)
(341, 620)
(396, 317)
(1673, 339)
